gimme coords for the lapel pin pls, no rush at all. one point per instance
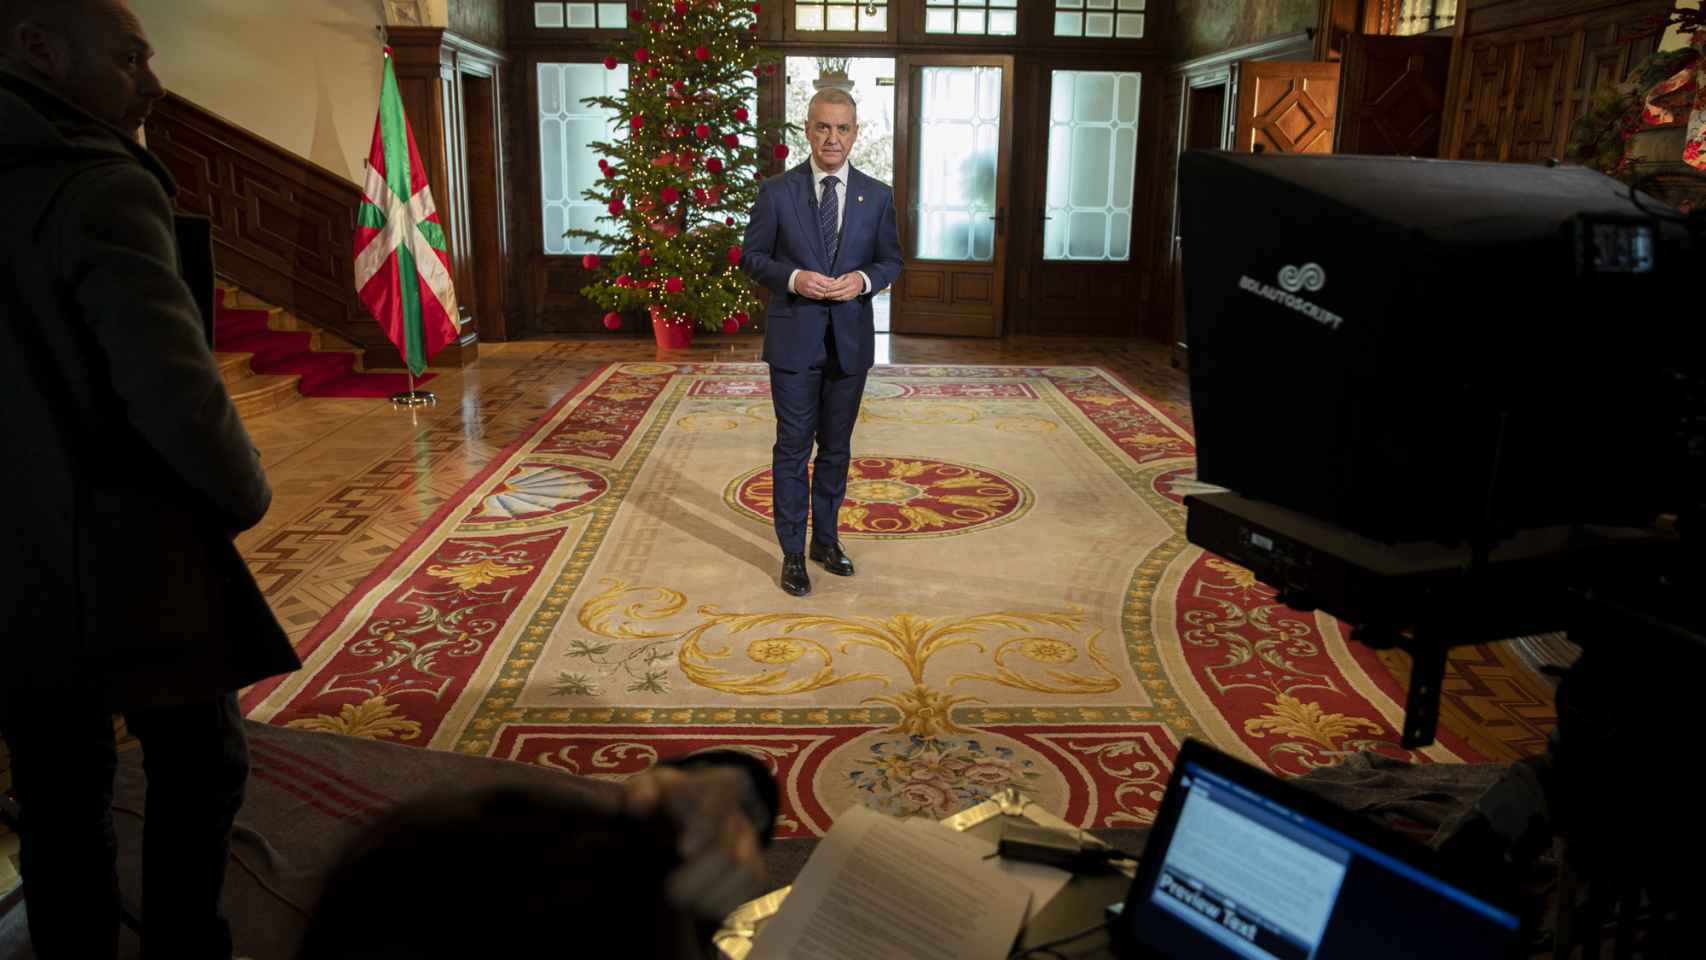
(861, 198)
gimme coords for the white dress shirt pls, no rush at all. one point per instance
(818, 173)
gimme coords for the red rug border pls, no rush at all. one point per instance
(336, 615)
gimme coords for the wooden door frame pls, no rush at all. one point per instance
(905, 98)
(490, 229)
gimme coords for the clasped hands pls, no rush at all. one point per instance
(817, 286)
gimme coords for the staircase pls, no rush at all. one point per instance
(269, 359)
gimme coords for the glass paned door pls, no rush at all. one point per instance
(954, 191)
(959, 141)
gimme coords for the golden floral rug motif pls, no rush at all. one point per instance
(1027, 611)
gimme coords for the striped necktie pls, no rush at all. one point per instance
(828, 212)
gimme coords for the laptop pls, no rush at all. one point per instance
(1243, 866)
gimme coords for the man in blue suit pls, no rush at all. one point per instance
(822, 238)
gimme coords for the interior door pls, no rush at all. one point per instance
(1392, 99)
(1286, 106)
(1088, 190)
(955, 140)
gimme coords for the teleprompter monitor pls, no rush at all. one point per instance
(1432, 350)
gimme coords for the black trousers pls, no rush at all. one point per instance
(818, 403)
(63, 761)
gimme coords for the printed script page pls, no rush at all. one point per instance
(874, 889)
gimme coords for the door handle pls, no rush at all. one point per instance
(1000, 219)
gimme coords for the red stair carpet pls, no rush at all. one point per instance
(325, 373)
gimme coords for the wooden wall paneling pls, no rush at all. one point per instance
(1524, 70)
(281, 225)
(1392, 98)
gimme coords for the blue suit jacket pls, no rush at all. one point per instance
(782, 236)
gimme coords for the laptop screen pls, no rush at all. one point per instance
(1245, 873)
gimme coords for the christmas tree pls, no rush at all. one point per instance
(679, 185)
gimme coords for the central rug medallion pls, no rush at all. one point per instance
(904, 497)
(1027, 611)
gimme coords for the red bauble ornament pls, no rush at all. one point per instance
(755, 8)
(755, 70)
(702, 131)
(741, 317)
(781, 151)
(734, 256)
(753, 26)
(678, 86)
(669, 194)
(673, 285)
(609, 63)
(680, 8)
(741, 114)
(701, 53)
(623, 280)
(612, 321)
(699, 194)
(616, 208)
(641, 54)
(656, 26)
(731, 325)
(635, 13)
(637, 122)
(590, 261)
(651, 73)
(645, 258)
(604, 165)
(729, 221)
(770, 68)
(714, 165)
(731, 139)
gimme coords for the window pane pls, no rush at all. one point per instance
(1004, 23)
(808, 17)
(938, 21)
(1131, 4)
(874, 18)
(1003, 3)
(1089, 235)
(567, 164)
(1128, 98)
(1129, 25)
(612, 16)
(582, 16)
(1092, 159)
(1099, 4)
(971, 21)
(1094, 97)
(1068, 24)
(547, 14)
(958, 130)
(841, 18)
(1098, 24)
(1091, 145)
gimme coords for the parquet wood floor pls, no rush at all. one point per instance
(353, 478)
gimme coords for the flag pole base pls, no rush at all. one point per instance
(414, 398)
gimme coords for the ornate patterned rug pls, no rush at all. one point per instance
(1027, 611)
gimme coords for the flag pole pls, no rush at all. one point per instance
(413, 397)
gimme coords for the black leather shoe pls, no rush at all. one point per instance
(794, 579)
(833, 559)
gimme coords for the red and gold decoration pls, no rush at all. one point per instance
(1028, 613)
(678, 185)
